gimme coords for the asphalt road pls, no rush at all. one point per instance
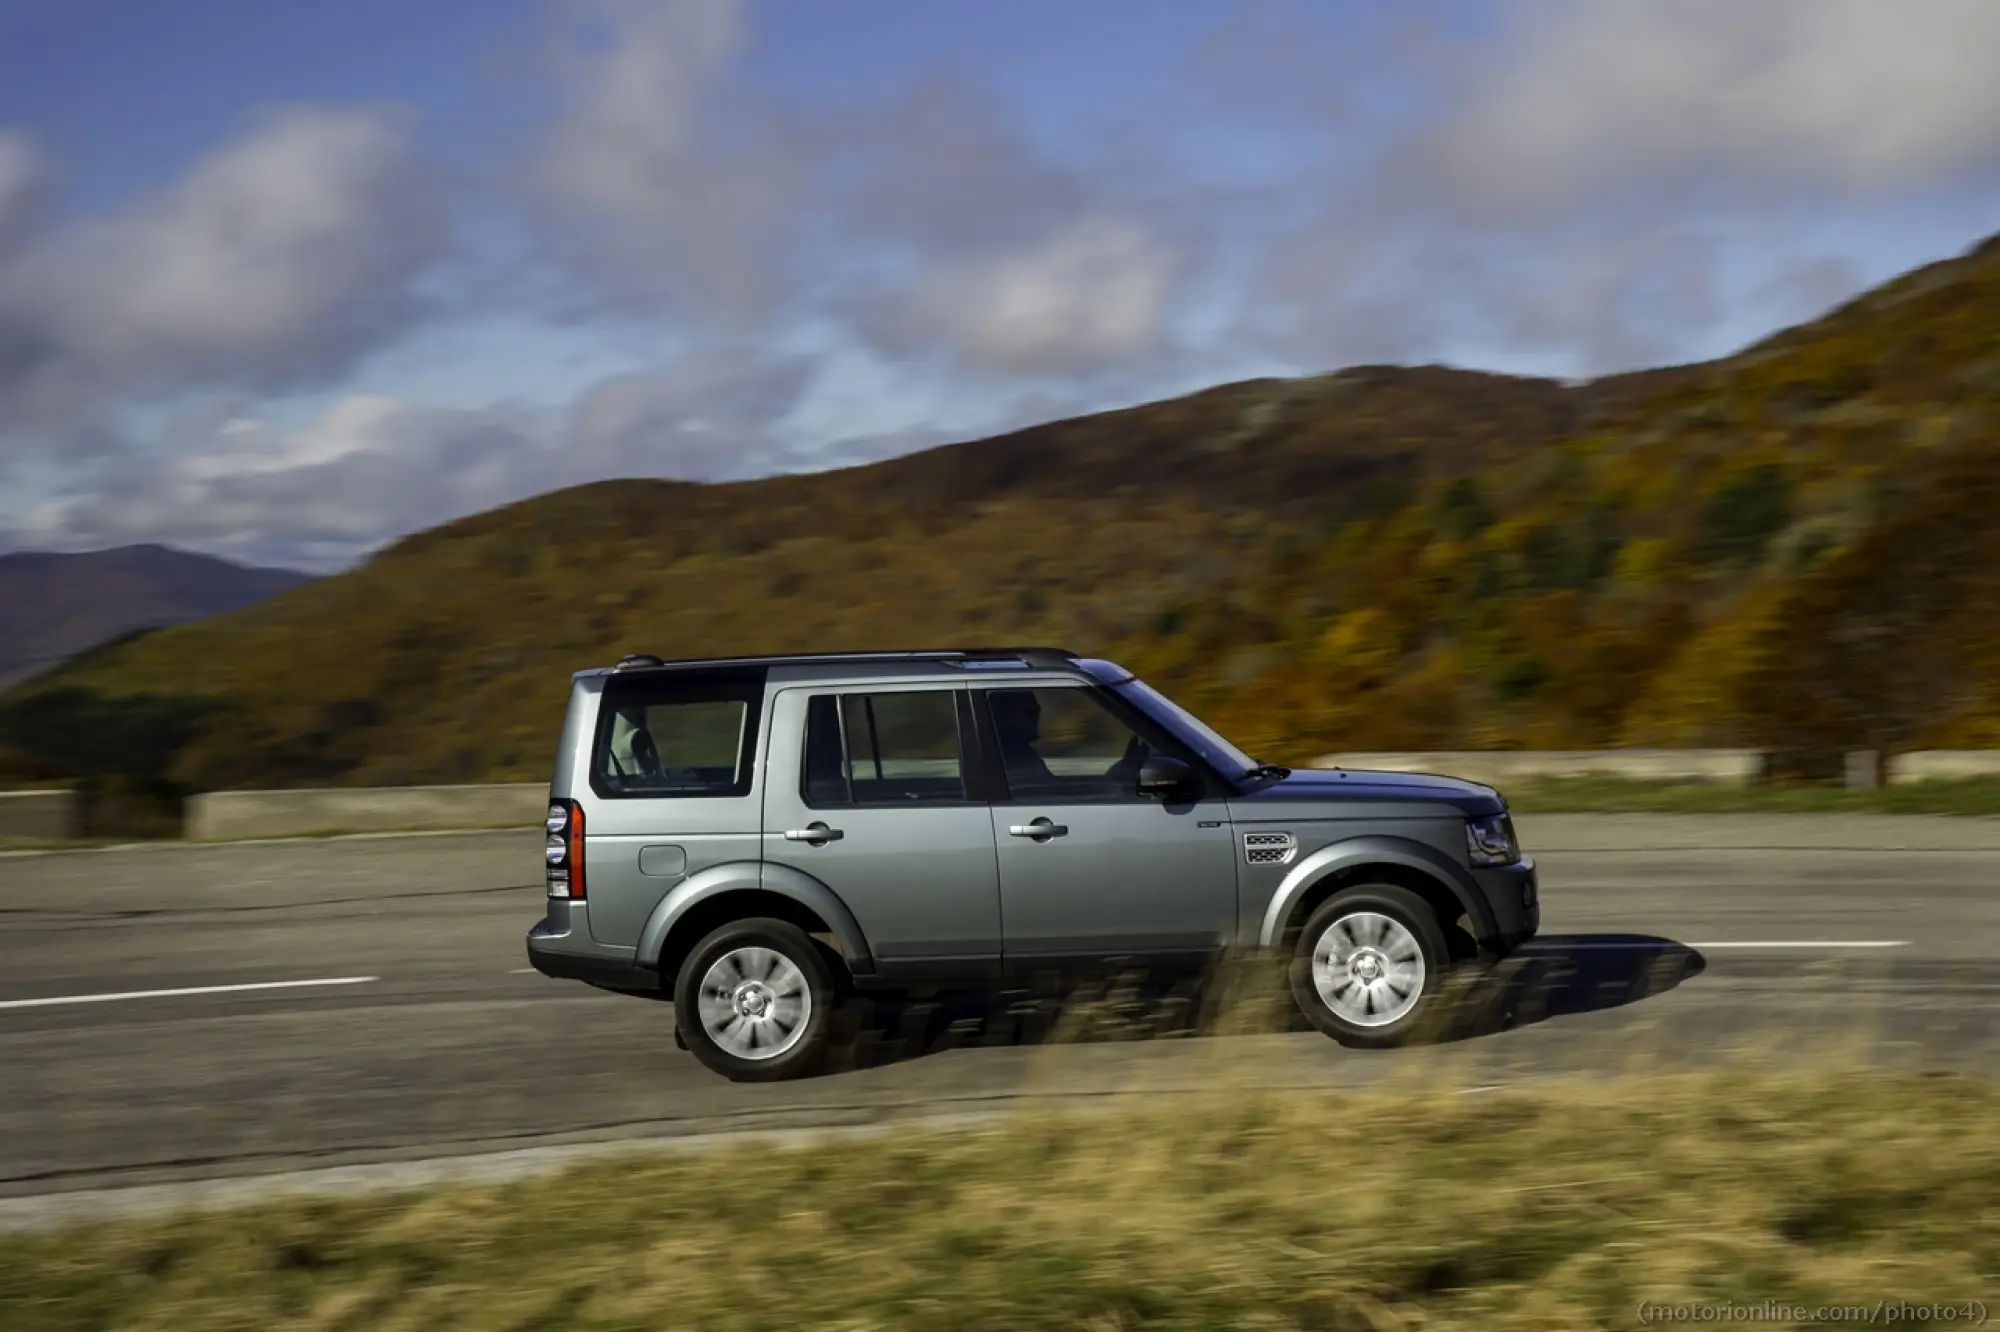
(1669, 941)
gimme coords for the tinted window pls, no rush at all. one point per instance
(1064, 744)
(676, 737)
(883, 748)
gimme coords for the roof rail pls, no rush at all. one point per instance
(1031, 656)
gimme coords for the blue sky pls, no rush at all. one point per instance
(285, 282)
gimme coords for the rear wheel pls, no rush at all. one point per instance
(754, 999)
(1370, 966)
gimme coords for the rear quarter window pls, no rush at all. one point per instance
(677, 737)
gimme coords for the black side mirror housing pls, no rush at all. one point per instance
(1166, 777)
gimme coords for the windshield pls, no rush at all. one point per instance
(1188, 728)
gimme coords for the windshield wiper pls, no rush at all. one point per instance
(1268, 770)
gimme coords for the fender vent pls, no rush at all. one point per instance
(1269, 848)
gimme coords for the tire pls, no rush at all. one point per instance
(1383, 930)
(740, 968)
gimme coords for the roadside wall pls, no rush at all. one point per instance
(1941, 765)
(238, 815)
(42, 816)
(1720, 767)
(235, 815)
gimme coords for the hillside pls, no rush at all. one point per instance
(1793, 545)
(53, 606)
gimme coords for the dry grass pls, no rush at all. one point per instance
(1563, 1206)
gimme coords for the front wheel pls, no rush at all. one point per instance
(1370, 965)
(753, 1001)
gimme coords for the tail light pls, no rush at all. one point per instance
(564, 850)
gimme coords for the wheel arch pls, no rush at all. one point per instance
(1392, 860)
(734, 892)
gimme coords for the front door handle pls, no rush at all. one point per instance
(1041, 829)
(817, 834)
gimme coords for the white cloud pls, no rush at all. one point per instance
(1580, 98)
(1606, 184)
(23, 183)
(274, 261)
(1599, 185)
(709, 417)
(372, 468)
(1093, 293)
(655, 206)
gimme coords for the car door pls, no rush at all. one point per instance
(873, 798)
(1088, 866)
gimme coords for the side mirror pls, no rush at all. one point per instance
(1166, 777)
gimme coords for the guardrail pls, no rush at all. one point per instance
(40, 816)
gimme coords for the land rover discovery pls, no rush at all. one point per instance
(754, 838)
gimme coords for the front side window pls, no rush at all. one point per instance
(676, 738)
(1186, 727)
(1063, 744)
(872, 749)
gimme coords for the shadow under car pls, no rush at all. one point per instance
(1553, 976)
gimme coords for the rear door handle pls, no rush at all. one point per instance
(1041, 829)
(818, 834)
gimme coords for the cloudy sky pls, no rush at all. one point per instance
(283, 281)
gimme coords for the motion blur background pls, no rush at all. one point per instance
(1562, 375)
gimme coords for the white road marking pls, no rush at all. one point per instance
(1804, 943)
(1713, 943)
(192, 989)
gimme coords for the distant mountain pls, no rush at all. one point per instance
(54, 606)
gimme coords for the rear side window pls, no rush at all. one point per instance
(877, 749)
(677, 737)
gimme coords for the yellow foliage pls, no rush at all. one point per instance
(1644, 561)
(1697, 699)
(1361, 650)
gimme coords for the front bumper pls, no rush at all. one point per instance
(1513, 894)
(561, 952)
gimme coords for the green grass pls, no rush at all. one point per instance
(1611, 795)
(1565, 1207)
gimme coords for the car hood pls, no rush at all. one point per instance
(1346, 785)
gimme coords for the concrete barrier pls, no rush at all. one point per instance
(1716, 767)
(42, 816)
(1925, 765)
(238, 815)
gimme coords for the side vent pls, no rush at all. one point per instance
(1269, 848)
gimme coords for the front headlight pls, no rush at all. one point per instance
(1490, 841)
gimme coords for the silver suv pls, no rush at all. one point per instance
(755, 838)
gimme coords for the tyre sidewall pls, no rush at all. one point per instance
(779, 936)
(1418, 918)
